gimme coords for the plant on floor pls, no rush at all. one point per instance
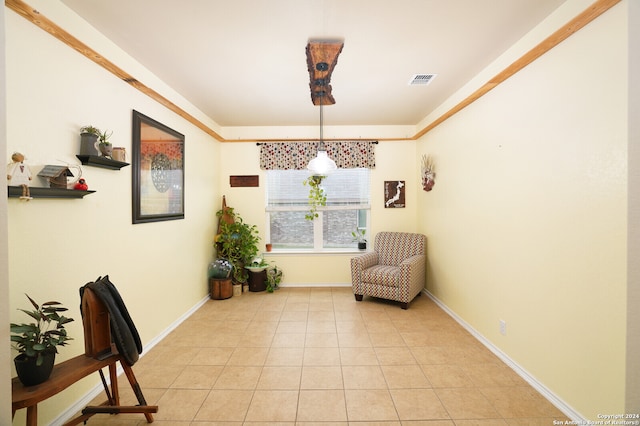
(274, 277)
(237, 242)
(317, 196)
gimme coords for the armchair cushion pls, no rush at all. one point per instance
(394, 270)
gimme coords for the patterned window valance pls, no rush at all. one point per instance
(296, 155)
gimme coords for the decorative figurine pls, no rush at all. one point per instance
(19, 174)
(428, 175)
(81, 185)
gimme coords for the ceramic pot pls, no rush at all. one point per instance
(106, 149)
(237, 289)
(362, 246)
(31, 374)
(89, 144)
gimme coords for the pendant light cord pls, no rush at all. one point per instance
(321, 145)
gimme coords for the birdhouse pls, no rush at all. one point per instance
(56, 175)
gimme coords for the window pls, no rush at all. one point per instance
(348, 207)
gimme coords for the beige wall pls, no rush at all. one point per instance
(392, 159)
(5, 355)
(527, 222)
(58, 245)
(633, 232)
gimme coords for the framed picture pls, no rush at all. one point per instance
(394, 193)
(158, 171)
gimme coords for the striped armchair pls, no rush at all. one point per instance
(394, 270)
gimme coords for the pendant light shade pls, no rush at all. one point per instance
(322, 164)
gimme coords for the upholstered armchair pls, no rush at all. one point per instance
(394, 270)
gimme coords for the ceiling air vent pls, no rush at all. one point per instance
(421, 79)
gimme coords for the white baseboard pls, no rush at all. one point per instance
(66, 415)
(296, 285)
(537, 385)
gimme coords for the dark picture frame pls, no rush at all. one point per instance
(394, 194)
(157, 171)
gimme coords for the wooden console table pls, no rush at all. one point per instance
(67, 373)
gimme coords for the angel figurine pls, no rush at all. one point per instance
(19, 174)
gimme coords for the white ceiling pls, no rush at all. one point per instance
(243, 63)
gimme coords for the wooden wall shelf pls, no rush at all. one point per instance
(98, 161)
(36, 192)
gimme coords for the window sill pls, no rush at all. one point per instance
(300, 252)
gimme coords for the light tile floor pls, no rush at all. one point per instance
(315, 356)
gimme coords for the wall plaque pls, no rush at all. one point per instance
(244, 181)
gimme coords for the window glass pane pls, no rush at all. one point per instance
(347, 209)
(337, 226)
(290, 230)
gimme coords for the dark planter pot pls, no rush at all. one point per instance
(31, 374)
(258, 281)
(362, 246)
(88, 144)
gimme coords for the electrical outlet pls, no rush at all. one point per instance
(503, 327)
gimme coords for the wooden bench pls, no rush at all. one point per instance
(99, 353)
(67, 373)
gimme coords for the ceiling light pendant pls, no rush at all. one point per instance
(322, 164)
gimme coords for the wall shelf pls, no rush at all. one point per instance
(36, 192)
(98, 161)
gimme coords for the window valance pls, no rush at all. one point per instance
(296, 155)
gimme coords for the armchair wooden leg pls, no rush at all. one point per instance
(404, 305)
(358, 297)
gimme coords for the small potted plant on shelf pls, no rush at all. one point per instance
(37, 341)
(317, 196)
(89, 140)
(358, 236)
(106, 149)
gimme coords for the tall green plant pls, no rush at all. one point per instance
(237, 242)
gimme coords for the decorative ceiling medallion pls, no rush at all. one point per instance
(322, 57)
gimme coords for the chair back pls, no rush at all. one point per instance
(394, 247)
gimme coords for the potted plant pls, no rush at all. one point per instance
(220, 282)
(358, 236)
(37, 341)
(237, 242)
(89, 140)
(274, 277)
(317, 196)
(106, 149)
(258, 264)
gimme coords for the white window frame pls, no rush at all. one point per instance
(317, 224)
